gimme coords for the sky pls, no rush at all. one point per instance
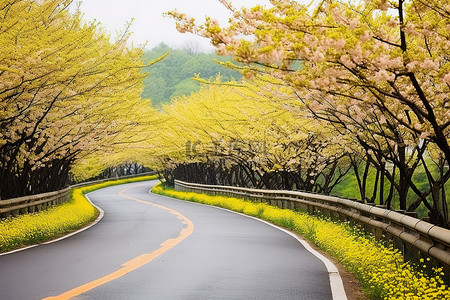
(149, 25)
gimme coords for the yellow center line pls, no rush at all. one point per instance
(136, 262)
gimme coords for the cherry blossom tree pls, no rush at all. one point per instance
(234, 135)
(377, 70)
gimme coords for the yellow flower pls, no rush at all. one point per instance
(382, 270)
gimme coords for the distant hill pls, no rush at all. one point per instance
(172, 76)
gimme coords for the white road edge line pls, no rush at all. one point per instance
(336, 284)
(100, 216)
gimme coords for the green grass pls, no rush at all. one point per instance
(59, 220)
(348, 188)
(382, 270)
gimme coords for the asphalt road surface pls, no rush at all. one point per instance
(148, 246)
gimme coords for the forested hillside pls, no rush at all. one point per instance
(172, 77)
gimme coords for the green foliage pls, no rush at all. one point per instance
(172, 76)
(348, 187)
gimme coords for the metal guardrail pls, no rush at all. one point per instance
(410, 235)
(32, 203)
(38, 202)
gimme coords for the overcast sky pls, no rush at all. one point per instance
(149, 24)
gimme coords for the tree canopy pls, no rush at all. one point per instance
(66, 92)
(376, 71)
(245, 139)
(328, 89)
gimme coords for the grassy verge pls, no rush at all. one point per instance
(346, 188)
(30, 229)
(381, 270)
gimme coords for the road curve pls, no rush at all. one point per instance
(153, 247)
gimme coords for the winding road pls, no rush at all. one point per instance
(148, 246)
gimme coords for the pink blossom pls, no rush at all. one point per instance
(305, 52)
(317, 57)
(353, 24)
(365, 36)
(429, 65)
(383, 61)
(410, 66)
(392, 23)
(345, 59)
(356, 54)
(396, 62)
(310, 40)
(181, 28)
(323, 81)
(337, 15)
(271, 57)
(266, 41)
(427, 32)
(447, 78)
(424, 135)
(383, 5)
(340, 43)
(383, 75)
(409, 28)
(221, 50)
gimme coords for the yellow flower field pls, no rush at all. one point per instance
(381, 270)
(61, 219)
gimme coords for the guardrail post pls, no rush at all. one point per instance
(301, 206)
(412, 254)
(279, 203)
(23, 211)
(292, 205)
